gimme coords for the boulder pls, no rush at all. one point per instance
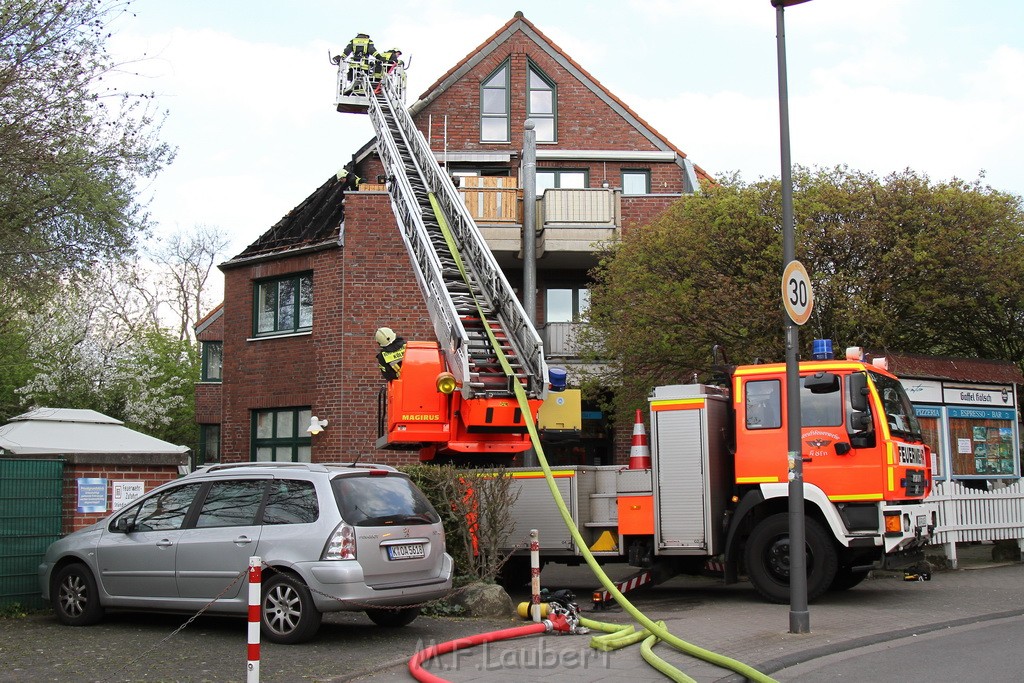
(483, 600)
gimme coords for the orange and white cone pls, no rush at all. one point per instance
(639, 451)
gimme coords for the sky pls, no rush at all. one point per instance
(936, 86)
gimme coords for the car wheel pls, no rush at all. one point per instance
(393, 618)
(288, 615)
(74, 596)
(767, 558)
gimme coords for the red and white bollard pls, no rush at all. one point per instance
(639, 451)
(255, 597)
(535, 574)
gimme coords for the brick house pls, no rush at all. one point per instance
(293, 337)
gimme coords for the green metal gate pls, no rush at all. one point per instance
(30, 519)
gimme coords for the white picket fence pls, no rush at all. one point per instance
(966, 515)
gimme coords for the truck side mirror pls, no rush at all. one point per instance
(858, 391)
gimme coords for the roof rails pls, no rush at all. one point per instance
(308, 466)
(311, 467)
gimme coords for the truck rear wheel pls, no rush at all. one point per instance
(767, 558)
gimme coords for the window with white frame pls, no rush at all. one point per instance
(284, 305)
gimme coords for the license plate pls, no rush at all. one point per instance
(410, 551)
(922, 521)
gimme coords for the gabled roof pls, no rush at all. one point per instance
(209, 318)
(521, 23)
(314, 222)
(67, 430)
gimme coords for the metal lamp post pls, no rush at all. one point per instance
(799, 616)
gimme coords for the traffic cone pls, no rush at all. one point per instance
(639, 451)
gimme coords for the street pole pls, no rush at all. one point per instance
(530, 240)
(799, 616)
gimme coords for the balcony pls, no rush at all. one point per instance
(560, 339)
(569, 221)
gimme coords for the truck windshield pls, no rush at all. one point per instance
(899, 413)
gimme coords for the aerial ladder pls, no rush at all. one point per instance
(455, 397)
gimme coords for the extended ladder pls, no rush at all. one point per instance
(461, 288)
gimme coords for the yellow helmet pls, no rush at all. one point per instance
(385, 335)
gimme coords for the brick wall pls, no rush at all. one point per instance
(378, 288)
(149, 468)
(585, 120)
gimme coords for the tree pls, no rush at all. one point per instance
(81, 357)
(898, 263)
(186, 260)
(74, 149)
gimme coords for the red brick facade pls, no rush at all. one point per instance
(362, 278)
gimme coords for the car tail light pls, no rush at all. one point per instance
(342, 544)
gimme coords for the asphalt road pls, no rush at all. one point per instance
(986, 651)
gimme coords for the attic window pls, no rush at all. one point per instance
(494, 106)
(540, 104)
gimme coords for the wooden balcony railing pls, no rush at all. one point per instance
(492, 199)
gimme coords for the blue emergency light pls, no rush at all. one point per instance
(822, 349)
(556, 376)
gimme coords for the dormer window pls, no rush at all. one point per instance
(494, 106)
(540, 104)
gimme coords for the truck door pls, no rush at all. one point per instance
(831, 462)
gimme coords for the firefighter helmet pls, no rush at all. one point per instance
(385, 335)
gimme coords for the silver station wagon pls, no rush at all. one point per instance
(331, 538)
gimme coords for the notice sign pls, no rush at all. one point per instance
(92, 495)
(125, 492)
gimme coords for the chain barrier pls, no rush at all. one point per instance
(181, 628)
(366, 605)
(242, 574)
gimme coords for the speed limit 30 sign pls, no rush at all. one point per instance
(797, 296)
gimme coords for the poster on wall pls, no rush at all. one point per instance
(125, 492)
(92, 495)
(984, 439)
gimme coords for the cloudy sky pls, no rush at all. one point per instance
(879, 85)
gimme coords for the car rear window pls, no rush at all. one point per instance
(374, 500)
(291, 501)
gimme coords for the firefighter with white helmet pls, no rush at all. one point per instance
(392, 351)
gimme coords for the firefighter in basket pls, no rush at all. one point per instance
(392, 351)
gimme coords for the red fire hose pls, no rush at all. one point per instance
(416, 663)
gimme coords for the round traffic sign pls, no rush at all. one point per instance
(797, 296)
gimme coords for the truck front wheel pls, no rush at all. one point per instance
(767, 558)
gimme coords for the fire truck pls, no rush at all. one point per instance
(717, 483)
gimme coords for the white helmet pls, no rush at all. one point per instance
(385, 335)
